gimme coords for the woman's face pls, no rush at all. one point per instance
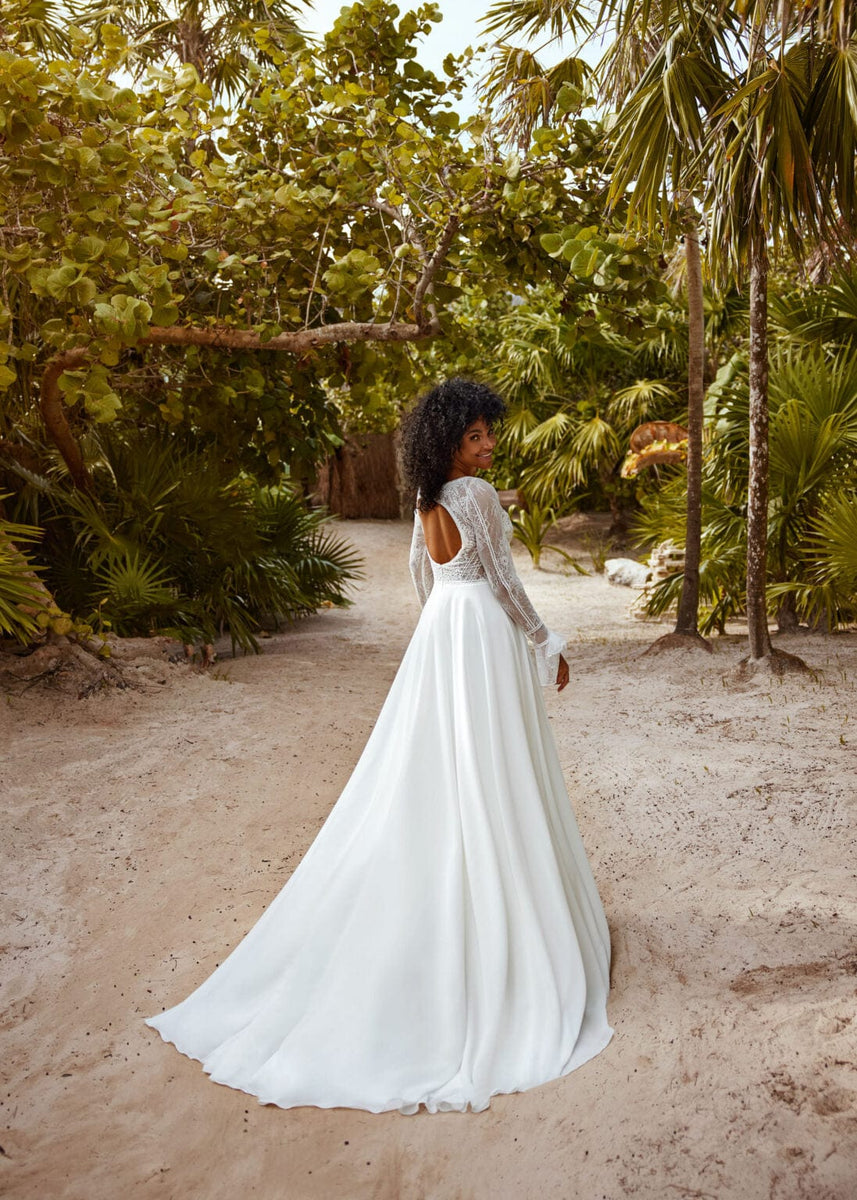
(476, 448)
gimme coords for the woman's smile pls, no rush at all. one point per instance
(475, 451)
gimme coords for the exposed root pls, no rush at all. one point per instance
(777, 664)
(80, 670)
(63, 665)
(679, 641)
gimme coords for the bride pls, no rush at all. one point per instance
(442, 939)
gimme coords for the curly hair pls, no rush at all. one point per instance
(433, 429)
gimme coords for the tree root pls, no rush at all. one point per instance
(79, 670)
(63, 665)
(679, 641)
(777, 664)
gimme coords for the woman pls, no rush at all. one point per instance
(442, 939)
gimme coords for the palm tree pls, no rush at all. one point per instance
(813, 476)
(782, 170)
(647, 75)
(754, 106)
(43, 23)
(219, 38)
(687, 617)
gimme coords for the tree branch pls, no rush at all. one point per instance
(406, 224)
(53, 414)
(51, 402)
(297, 343)
(425, 285)
(315, 272)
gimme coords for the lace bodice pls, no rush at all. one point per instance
(485, 531)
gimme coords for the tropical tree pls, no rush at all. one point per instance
(161, 254)
(774, 174)
(590, 353)
(651, 143)
(220, 39)
(580, 376)
(812, 480)
(754, 105)
(688, 605)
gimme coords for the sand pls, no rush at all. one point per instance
(145, 830)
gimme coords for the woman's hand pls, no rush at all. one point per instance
(561, 674)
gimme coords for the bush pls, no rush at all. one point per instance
(170, 543)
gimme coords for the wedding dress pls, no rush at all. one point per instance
(442, 939)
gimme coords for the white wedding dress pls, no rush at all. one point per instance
(442, 939)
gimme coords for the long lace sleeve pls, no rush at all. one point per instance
(486, 517)
(421, 572)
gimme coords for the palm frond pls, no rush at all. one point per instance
(595, 440)
(642, 400)
(661, 129)
(831, 118)
(521, 420)
(21, 593)
(554, 19)
(524, 92)
(550, 433)
(762, 164)
(43, 23)
(834, 543)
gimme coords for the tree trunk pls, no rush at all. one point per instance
(757, 498)
(787, 618)
(688, 605)
(52, 409)
(362, 478)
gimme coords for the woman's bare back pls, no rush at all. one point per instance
(443, 540)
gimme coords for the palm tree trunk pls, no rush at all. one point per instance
(688, 605)
(757, 499)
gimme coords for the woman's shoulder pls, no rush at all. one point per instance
(475, 485)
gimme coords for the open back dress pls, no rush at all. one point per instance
(442, 940)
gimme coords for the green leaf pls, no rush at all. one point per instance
(583, 263)
(552, 243)
(87, 249)
(58, 282)
(84, 290)
(103, 407)
(568, 98)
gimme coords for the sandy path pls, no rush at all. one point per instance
(144, 833)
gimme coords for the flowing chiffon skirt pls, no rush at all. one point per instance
(442, 939)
